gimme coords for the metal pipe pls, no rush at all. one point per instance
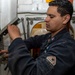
(24, 31)
(28, 27)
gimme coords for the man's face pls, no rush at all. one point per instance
(54, 21)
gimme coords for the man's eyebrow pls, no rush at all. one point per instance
(50, 15)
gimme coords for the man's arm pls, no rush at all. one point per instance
(20, 61)
(54, 61)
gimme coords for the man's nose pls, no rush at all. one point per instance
(47, 19)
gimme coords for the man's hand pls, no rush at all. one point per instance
(4, 53)
(13, 32)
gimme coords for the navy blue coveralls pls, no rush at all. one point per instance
(56, 57)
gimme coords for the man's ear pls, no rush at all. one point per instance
(66, 18)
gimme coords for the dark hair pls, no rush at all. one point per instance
(64, 7)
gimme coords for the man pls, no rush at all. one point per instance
(57, 48)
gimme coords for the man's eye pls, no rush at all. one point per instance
(51, 16)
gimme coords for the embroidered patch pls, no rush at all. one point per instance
(52, 60)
